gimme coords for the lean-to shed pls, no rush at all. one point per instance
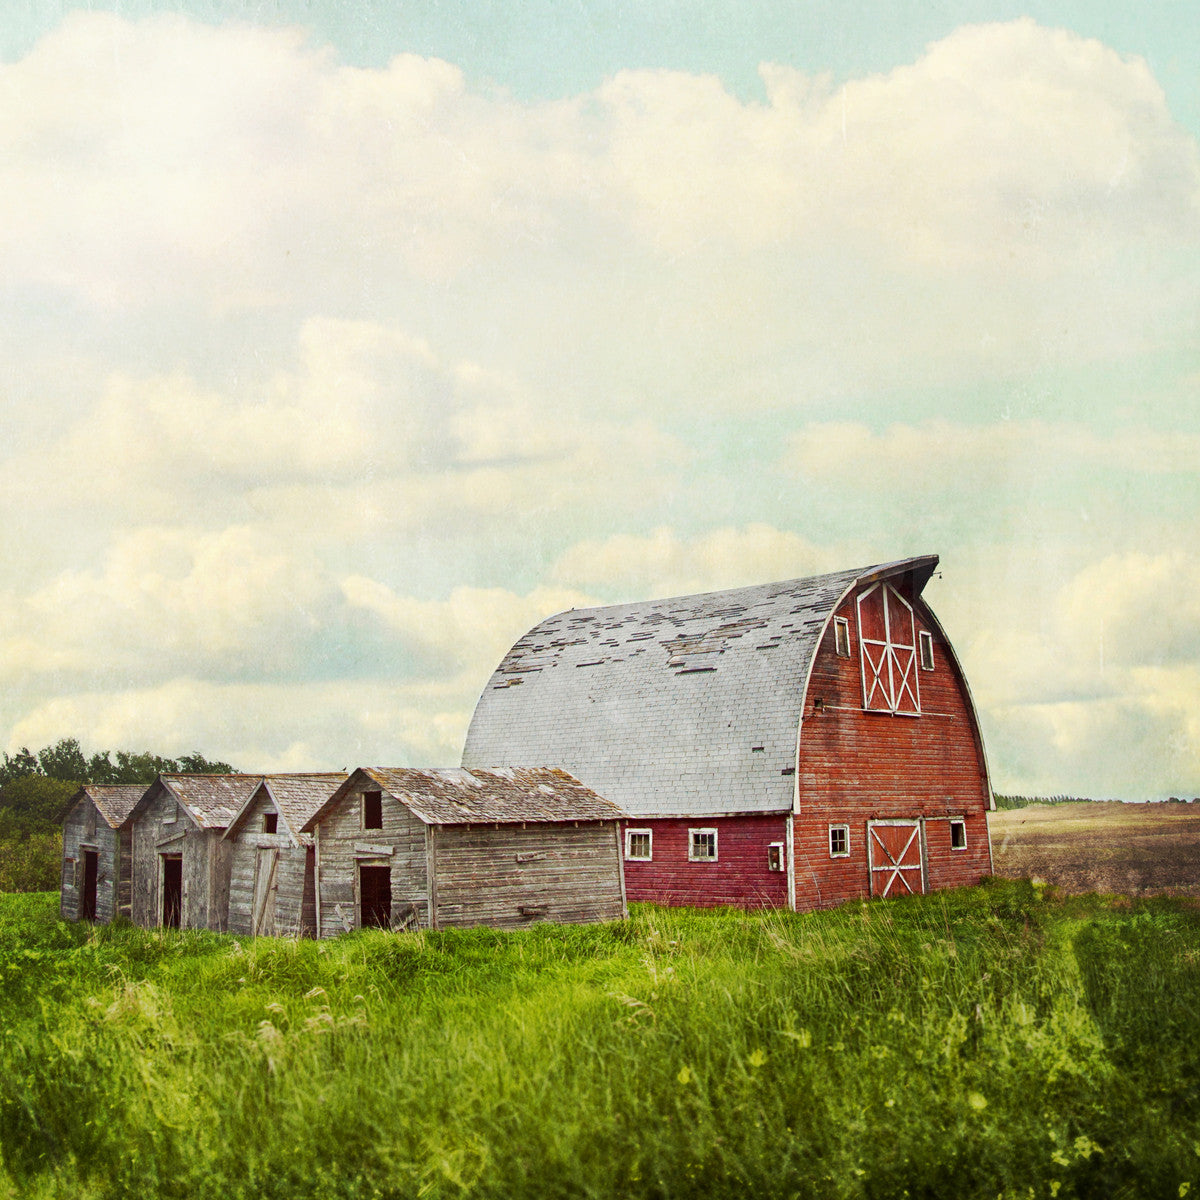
(272, 877)
(432, 848)
(97, 852)
(180, 856)
(797, 743)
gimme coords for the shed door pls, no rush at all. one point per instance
(172, 890)
(375, 896)
(87, 900)
(266, 884)
(894, 848)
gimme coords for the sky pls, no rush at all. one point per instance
(341, 343)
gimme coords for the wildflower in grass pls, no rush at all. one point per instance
(1184, 1188)
(684, 1076)
(757, 1058)
(977, 1101)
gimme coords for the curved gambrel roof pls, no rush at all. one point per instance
(686, 706)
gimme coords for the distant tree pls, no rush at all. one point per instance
(19, 765)
(33, 804)
(63, 760)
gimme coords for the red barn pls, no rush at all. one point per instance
(790, 744)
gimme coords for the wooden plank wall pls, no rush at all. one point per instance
(337, 871)
(858, 766)
(83, 828)
(740, 876)
(509, 876)
(205, 866)
(294, 916)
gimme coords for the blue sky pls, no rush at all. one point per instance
(341, 343)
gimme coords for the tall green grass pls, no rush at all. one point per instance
(992, 1042)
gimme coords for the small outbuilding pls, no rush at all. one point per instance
(402, 847)
(180, 856)
(97, 856)
(272, 879)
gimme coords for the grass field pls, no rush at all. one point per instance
(1095, 846)
(1002, 1041)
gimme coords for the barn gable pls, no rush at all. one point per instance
(689, 706)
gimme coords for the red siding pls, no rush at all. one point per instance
(739, 876)
(858, 766)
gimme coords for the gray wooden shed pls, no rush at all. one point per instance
(97, 857)
(180, 856)
(405, 848)
(272, 879)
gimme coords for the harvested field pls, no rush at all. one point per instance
(1101, 846)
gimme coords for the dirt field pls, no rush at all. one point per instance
(1101, 846)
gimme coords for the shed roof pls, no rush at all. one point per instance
(502, 795)
(114, 801)
(296, 797)
(212, 801)
(687, 706)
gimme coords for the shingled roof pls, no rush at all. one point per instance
(113, 801)
(211, 801)
(456, 796)
(688, 706)
(296, 798)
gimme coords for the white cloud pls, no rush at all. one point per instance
(665, 564)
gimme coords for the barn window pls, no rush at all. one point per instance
(841, 636)
(270, 822)
(639, 845)
(926, 650)
(888, 645)
(372, 810)
(958, 834)
(702, 845)
(775, 856)
(839, 841)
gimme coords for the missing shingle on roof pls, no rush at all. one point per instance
(695, 670)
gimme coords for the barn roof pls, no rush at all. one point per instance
(503, 795)
(296, 797)
(687, 706)
(114, 801)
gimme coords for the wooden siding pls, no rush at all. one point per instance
(740, 876)
(84, 828)
(509, 875)
(291, 911)
(205, 865)
(856, 767)
(342, 844)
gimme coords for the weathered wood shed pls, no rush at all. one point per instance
(433, 848)
(97, 853)
(797, 743)
(180, 856)
(272, 878)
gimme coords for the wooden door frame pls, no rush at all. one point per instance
(917, 824)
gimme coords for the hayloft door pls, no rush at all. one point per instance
(87, 899)
(894, 850)
(172, 890)
(266, 884)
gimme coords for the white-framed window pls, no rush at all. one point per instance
(841, 636)
(639, 845)
(372, 810)
(775, 860)
(958, 833)
(702, 845)
(926, 643)
(839, 841)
